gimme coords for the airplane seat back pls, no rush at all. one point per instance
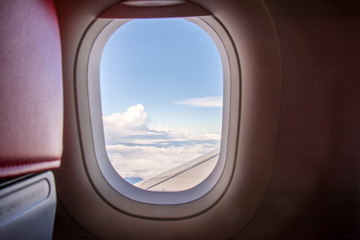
(31, 117)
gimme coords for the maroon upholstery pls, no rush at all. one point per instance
(31, 100)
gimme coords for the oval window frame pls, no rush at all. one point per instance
(110, 186)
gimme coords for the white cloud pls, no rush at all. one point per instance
(135, 150)
(133, 119)
(118, 126)
(149, 161)
(202, 102)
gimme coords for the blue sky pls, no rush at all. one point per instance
(161, 91)
(157, 63)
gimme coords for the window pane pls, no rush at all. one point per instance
(161, 86)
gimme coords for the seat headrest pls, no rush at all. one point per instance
(31, 92)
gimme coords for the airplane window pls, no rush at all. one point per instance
(161, 84)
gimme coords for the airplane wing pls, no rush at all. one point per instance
(184, 176)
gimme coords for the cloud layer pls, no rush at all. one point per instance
(135, 150)
(202, 102)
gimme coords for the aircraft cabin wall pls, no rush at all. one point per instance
(312, 191)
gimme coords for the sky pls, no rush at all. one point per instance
(161, 84)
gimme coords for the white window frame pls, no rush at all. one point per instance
(106, 181)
